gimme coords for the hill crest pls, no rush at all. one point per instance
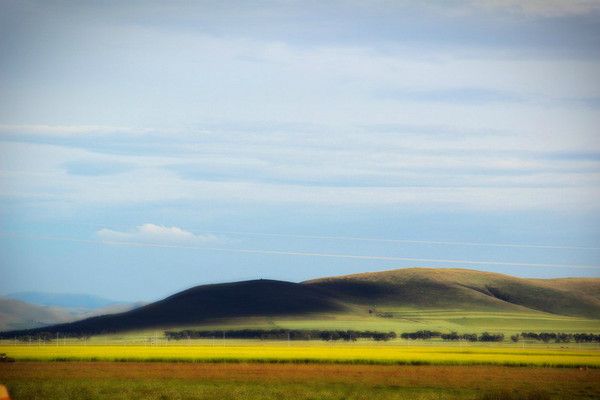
(468, 289)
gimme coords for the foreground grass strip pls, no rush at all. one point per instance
(99, 380)
(338, 354)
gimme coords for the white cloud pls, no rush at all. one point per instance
(157, 234)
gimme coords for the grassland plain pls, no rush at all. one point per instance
(401, 320)
(101, 380)
(397, 352)
(410, 320)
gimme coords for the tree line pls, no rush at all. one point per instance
(558, 337)
(48, 336)
(327, 335)
(280, 334)
(498, 337)
(452, 336)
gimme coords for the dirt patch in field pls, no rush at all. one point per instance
(459, 377)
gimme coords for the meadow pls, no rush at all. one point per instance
(410, 320)
(143, 364)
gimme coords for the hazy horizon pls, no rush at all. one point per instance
(19, 295)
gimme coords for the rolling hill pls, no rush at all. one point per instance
(468, 290)
(421, 289)
(206, 302)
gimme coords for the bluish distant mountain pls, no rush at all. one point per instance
(64, 300)
(18, 314)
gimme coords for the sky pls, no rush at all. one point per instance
(146, 147)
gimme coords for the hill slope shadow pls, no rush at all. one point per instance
(206, 302)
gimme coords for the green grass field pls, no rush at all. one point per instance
(409, 320)
(403, 320)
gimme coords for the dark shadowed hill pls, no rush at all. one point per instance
(414, 288)
(466, 289)
(202, 303)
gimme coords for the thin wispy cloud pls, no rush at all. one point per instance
(376, 169)
(70, 130)
(541, 8)
(95, 168)
(455, 96)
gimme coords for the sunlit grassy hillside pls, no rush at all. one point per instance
(464, 289)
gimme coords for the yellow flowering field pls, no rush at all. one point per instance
(312, 353)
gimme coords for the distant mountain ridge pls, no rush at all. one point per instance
(415, 288)
(17, 314)
(65, 300)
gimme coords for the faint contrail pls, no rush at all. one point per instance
(328, 237)
(305, 254)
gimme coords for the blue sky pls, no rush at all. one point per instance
(148, 147)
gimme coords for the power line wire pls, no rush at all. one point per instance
(367, 239)
(435, 242)
(302, 253)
